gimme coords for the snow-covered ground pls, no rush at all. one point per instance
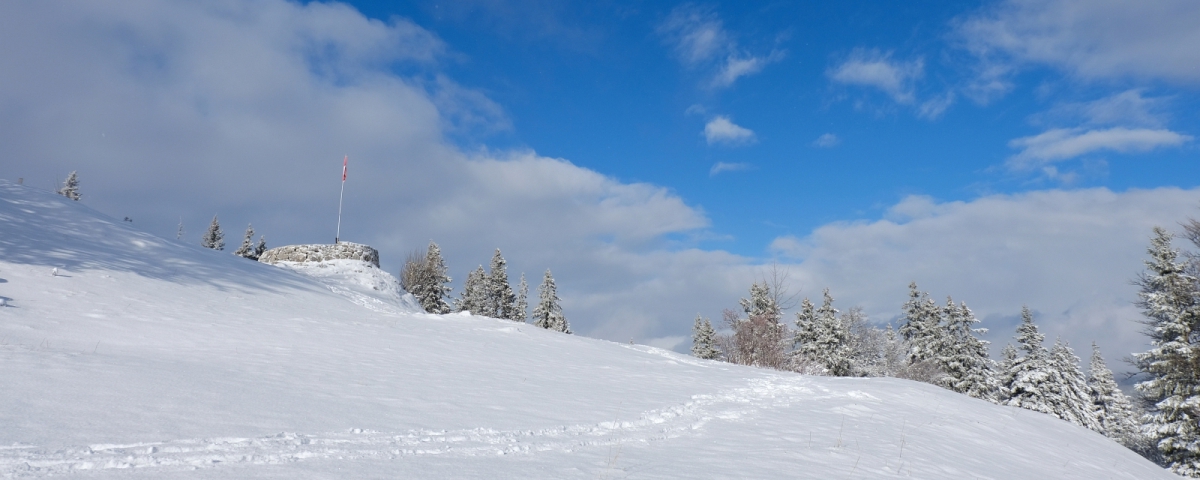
(152, 358)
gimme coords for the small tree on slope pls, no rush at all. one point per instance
(70, 188)
(474, 294)
(963, 356)
(500, 298)
(922, 326)
(704, 340)
(548, 314)
(1026, 381)
(261, 248)
(424, 276)
(213, 237)
(521, 305)
(246, 250)
(1113, 409)
(822, 338)
(1168, 300)
(1071, 399)
(437, 288)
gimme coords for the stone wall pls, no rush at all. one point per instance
(320, 253)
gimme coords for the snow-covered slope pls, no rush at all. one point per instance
(150, 358)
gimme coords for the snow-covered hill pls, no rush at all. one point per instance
(153, 358)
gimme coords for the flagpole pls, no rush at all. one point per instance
(337, 238)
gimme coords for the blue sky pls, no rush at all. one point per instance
(618, 87)
(656, 156)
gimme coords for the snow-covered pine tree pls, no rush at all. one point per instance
(475, 292)
(261, 248)
(179, 231)
(500, 296)
(548, 314)
(922, 326)
(1028, 382)
(1007, 357)
(759, 339)
(213, 237)
(761, 303)
(70, 188)
(1168, 299)
(246, 250)
(521, 305)
(1114, 411)
(1072, 399)
(437, 288)
(822, 338)
(704, 339)
(963, 356)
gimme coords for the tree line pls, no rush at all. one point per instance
(486, 293)
(935, 343)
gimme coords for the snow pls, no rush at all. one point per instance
(152, 358)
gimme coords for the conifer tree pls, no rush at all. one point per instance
(548, 314)
(963, 356)
(261, 248)
(1071, 400)
(246, 250)
(437, 282)
(70, 188)
(922, 326)
(179, 231)
(500, 297)
(1026, 382)
(475, 292)
(822, 338)
(704, 340)
(1114, 412)
(761, 303)
(521, 305)
(1168, 299)
(213, 237)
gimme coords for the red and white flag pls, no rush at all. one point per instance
(344, 161)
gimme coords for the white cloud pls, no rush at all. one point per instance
(933, 108)
(1091, 40)
(186, 109)
(872, 68)
(1069, 255)
(697, 34)
(720, 167)
(721, 130)
(738, 66)
(700, 40)
(1061, 143)
(827, 140)
(1128, 108)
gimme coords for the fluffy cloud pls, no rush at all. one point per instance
(721, 130)
(700, 40)
(1089, 39)
(1061, 144)
(1129, 108)
(721, 167)
(177, 111)
(1068, 255)
(827, 140)
(876, 69)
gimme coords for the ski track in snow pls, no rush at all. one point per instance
(656, 425)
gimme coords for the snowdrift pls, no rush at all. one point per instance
(151, 358)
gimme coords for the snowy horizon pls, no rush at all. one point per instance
(131, 356)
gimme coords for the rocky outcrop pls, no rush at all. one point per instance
(321, 253)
